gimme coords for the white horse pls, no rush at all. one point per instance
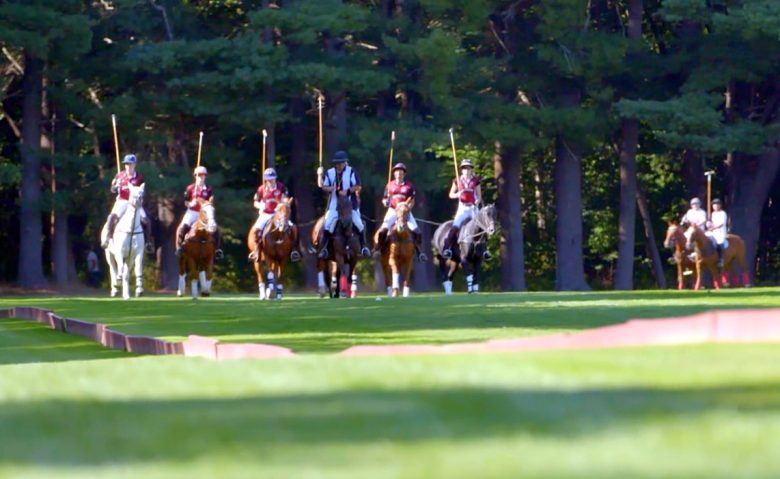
(126, 247)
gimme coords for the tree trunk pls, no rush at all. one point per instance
(424, 278)
(693, 173)
(624, 276)
(506, 163)
(540, 202)
(650, 246)
(30, 226)
(302, 186)
(569, 266)
(749, 179)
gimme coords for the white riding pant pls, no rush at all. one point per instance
(332, 216)
(719, 239)
(262, 220)
(464, 213)
(391, 217)
(120, 206)
(190, 217)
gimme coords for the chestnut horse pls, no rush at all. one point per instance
(276, 249)
(398, 253)
(338, 269)
(675, 239)
(198, 249)
(707, 257)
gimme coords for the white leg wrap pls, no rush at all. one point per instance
(180, 292)
(396, 280)
(261, 290)
(353, 286)
(447, 287)
(389, 291)
(202, 278)
(469, 282)
(475, 288)
(194, 288)
(321, 279)
(406, 291)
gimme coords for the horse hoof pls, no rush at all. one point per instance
(138, 294)
(205, 293)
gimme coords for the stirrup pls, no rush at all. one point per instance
(295, 256)
(323, 254)
(219, 254)
(365, 252)
(447, 253)
(422, 257)
(486, 255)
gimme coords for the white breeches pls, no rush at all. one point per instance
(120, 206)
(262, 220)
(190, 217)
(331, 217)
(718, 237)
(390, 219)
(463, 214)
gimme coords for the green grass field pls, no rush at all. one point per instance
(69, 408)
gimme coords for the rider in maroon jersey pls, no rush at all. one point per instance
(120, 186)
(195, 192)
(398, 190)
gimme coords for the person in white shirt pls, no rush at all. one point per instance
(717, 228)
(695, 216)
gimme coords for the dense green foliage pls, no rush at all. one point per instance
(525, 75)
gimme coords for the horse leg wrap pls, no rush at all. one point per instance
(447, 287)
(745, 279)
(279, 288)
(396, 280)
(406, 291)
(321, 279)
(182, 283)
(353, 286)
(470, 283)
(194, 288)
(261, 290)
(475, 288)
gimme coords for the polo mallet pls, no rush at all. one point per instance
(390, 158)
(265, 136)
(319, 109)
(200, 147)
(116, 143)
(709, 174)
(454, 157)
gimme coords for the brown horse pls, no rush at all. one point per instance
(707, 257)
(339, 268)
(197, 259)
(276, 248)
(398, 253)
(675, 239)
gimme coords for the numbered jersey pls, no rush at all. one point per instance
(398, 192)
(270, 197)
(193, 192)
(123, 182)
(468, 190)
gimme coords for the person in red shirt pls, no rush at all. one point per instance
(466, 189)
(193, 196)
(399, 190)
(120, 186)
(267, 197)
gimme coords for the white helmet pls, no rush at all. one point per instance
(201, 170)
(695, 201)
(269, 174)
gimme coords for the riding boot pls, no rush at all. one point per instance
(295, 254)
(180, 234)
(381, 239)
(364, 251)
(450, 242)
(418, 246)
(720, 255)
(110, 226)
(322, 243)
(218, 253)
(146, 225)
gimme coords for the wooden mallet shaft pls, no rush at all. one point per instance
(116, 143)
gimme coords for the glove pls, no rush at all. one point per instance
(320, 171)
(192, 204)
(385, 202)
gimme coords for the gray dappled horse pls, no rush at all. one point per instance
(470, 250)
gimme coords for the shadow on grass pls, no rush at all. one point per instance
(75, 433)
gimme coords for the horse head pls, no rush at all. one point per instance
(344, 211)
(402, 216)
(281, 220)
(207, 216)
(486, 219)
(673, 233)
(136, 198)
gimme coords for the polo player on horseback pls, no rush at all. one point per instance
(397, 191)
(467, 190)
(717, 229)
(340, 180)
(193, 196)
(120, 186)
(266, 199)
